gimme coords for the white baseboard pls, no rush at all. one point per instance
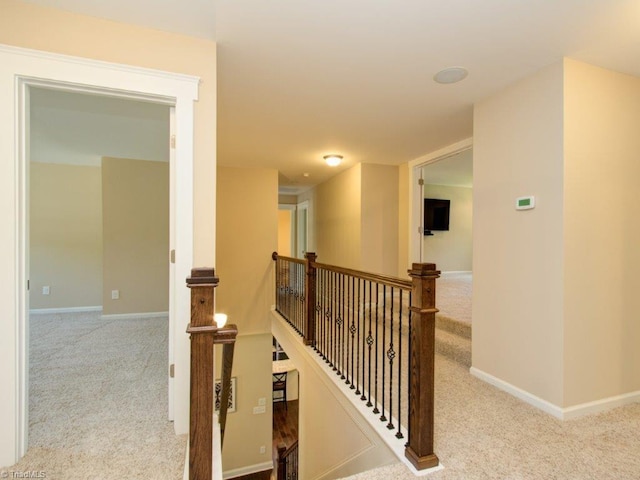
(453, 272)
(554, 410)
(523, 395)
(131, 316)
(603, 405)
(36, 311)
(239, 472)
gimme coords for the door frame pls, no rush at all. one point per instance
(416, 192)
(23, 68)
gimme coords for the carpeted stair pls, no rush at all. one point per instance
(453, 339)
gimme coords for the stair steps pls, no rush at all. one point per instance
(453, 339)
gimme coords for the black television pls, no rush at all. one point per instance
(436, 215)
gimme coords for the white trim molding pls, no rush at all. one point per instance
(21, 69)
(602, 405)
(567, 413)
(240, 472)
(39, 311)
(134, 316)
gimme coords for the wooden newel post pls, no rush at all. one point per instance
(202, 330)
(419, 449)
(310, 299)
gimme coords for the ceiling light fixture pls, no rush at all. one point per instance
(333, 160)
(451, 75)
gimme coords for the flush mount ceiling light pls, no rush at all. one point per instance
(333, 160)
(451, 75)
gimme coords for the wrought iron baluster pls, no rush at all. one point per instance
(369, 345)
(352, 329)
(391, 355)
(357, 372)
(377, 354)
(340, 325)
(383, 418)
(400, 308)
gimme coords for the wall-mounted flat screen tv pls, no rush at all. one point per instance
(436, 215)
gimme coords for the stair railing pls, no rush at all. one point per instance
(204, 334)
(288, 462)
(377, 333)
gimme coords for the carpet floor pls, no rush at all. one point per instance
(453, 296)
(98, 399)
(484, 433)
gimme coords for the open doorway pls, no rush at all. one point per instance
(23, 69)
(98, 256)
(442, 233)
(293, 229)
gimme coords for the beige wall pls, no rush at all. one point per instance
(404, 198)
(517, 255)
(247, 236)
(601, 233)
(285, 219)
(135, 224)
(337, 219)
(356, 216)
(65, 236)
(247, 225)
(379, 219)
(246, 432)
(31, 26)
(451, 250)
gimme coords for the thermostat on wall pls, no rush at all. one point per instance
(525, 203)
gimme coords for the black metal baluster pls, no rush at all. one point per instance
(352, 328)
(369, 344)
(331, 322)
(341, 327)
(357, 392)
(401, 308)
(384, 343)
(377, 354)
(391, 355)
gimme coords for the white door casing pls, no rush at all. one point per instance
(22, 68)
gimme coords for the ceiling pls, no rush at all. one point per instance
(300, 79)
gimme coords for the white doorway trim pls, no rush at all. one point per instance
(415, 193)
(22, 68)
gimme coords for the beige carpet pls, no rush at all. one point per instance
(453, 296)
(484, 433)
(98, 400)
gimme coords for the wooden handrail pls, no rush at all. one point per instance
(204, 335)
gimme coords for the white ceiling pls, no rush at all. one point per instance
(300, 79)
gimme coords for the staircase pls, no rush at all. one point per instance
(453, 339)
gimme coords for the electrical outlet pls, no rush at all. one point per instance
(46, 290)
(262, 401)
(259, 410)
(115, 294)
(263, 450)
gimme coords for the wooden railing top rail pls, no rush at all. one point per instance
(373, 277)
(275, 256)
(284, 451)
(404, 284)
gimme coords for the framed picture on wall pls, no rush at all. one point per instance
(232, 395)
